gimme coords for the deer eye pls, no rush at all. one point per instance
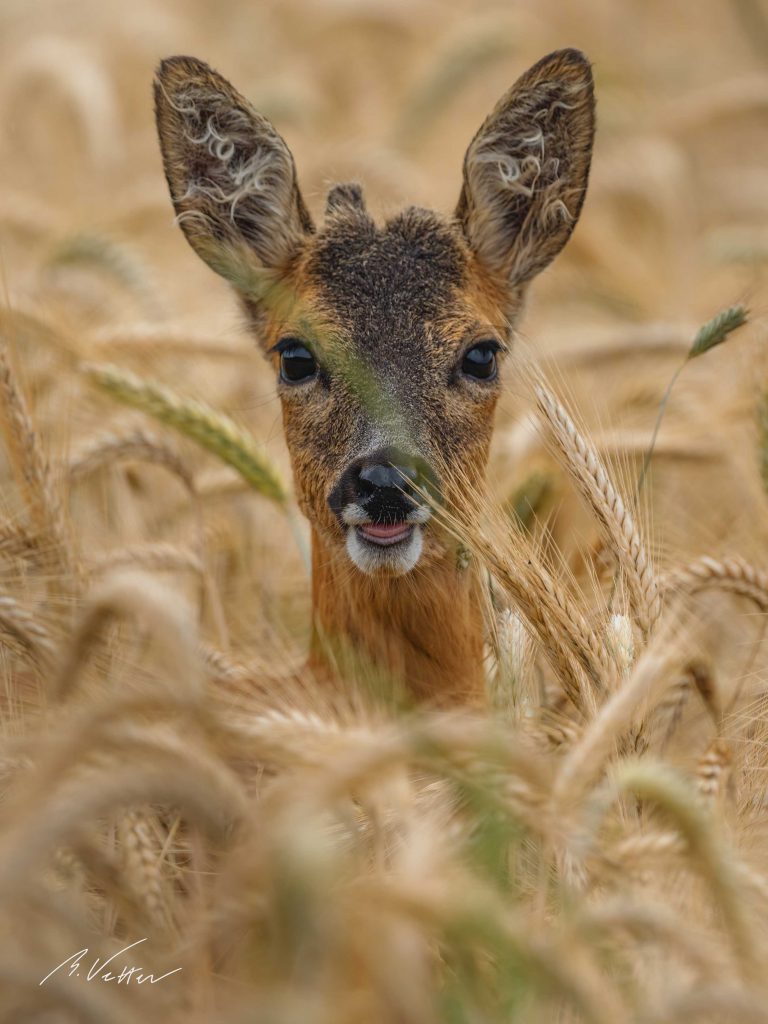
(296, 362)
(480, 360)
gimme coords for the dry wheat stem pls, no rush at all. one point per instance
(29, 327)
(162, 556)
(667, 715)
(291, 736)
(512, 779)
(254, 680)
(220, 665)
(609, 508)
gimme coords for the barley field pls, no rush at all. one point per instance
(591, 845)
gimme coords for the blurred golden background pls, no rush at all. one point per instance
(93, 269)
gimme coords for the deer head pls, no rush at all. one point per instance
(387, 342)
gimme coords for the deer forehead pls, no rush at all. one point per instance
(399, 303)
(395, 292)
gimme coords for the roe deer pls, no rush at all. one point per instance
(387, 342)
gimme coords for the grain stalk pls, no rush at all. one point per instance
(709, 336)
(609, 508)
(142, 862)
(30, 466)
(212, 430)
(141, 445)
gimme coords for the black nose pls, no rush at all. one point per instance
(387, 485)
(376, 477)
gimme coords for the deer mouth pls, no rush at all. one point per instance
(388, 548)
(385, 534)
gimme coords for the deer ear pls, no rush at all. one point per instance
(526, 170)
(231, 176)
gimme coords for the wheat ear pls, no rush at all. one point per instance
(645, 686)
(713, 771)
(131, 594)
(26, 632)
(160, 556)
(642, 847)
(733, 574)
(611, 512)
(213, 430)
(142, 862)
(137, 444)
(30, 464)
(571, 645)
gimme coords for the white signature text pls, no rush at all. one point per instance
(99, 970)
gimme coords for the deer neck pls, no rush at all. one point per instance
(419, 634)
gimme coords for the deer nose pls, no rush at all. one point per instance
(376, 477)
(389, 484)
(386, 485)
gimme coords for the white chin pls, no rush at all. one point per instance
(391, 559)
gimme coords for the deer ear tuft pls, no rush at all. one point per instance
(526, 170)
(231, 176)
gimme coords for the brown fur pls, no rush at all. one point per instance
(389, 312)
(420, 635)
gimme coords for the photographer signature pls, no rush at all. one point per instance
(99, 969)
